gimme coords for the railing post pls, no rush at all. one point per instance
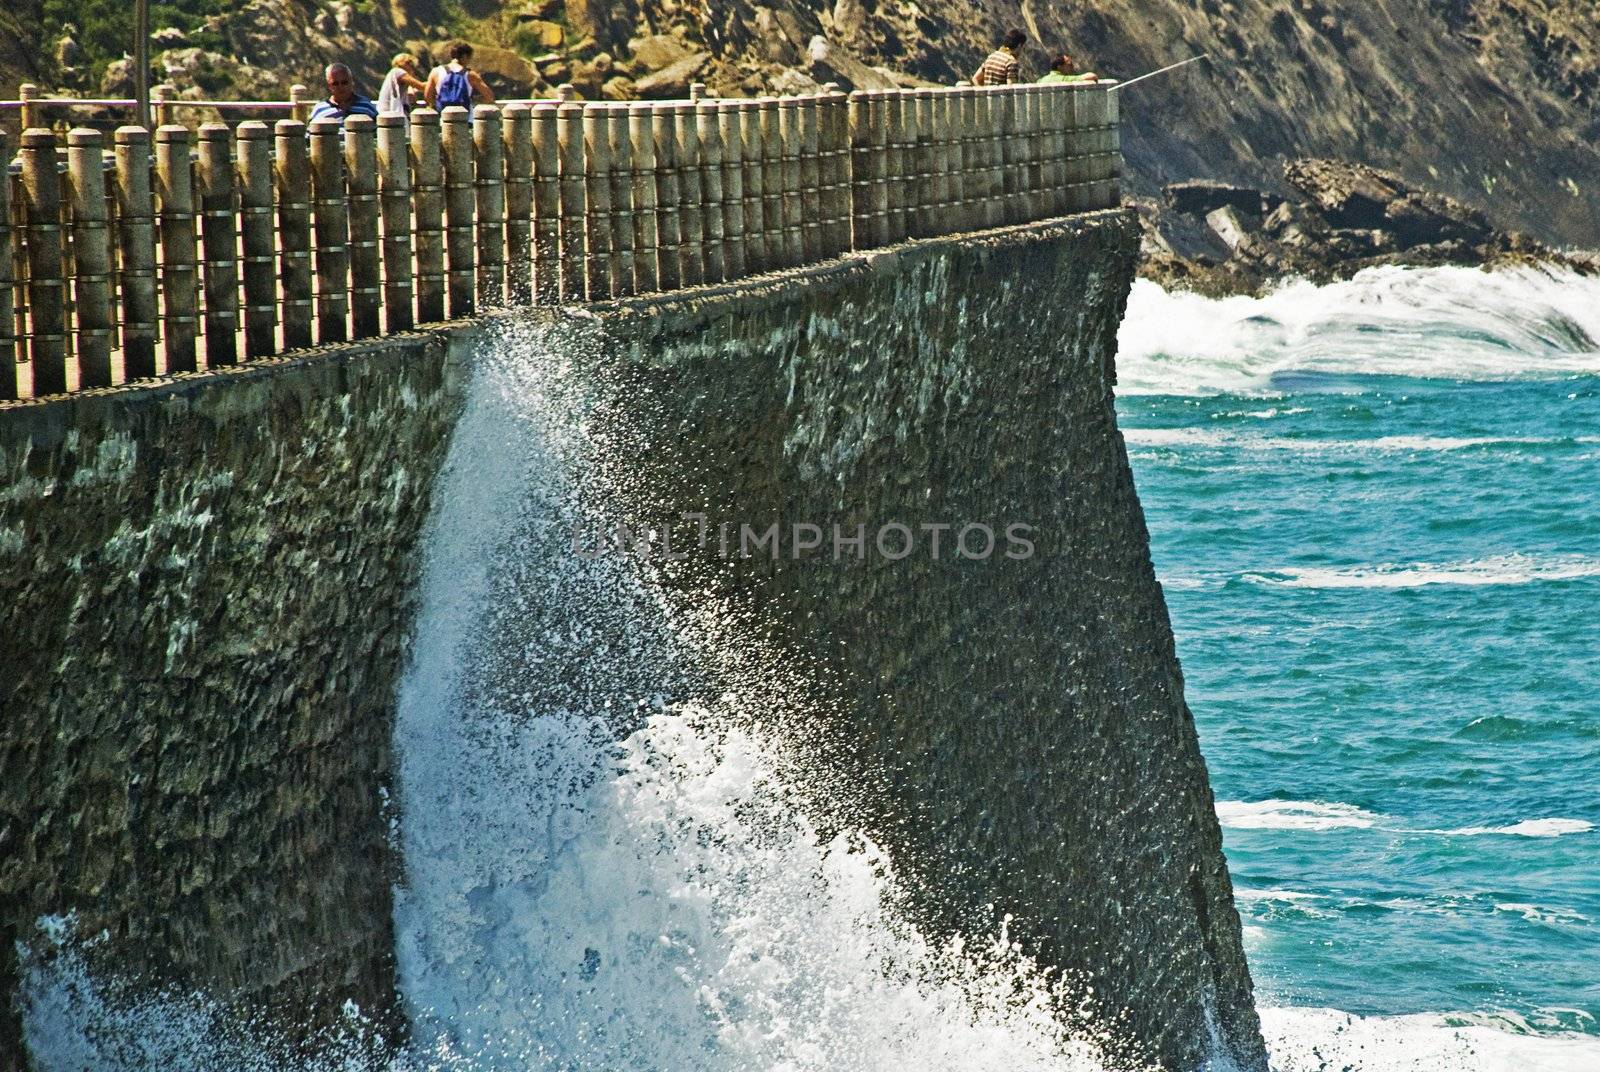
(731, 133)
(255, 224)
(669, 230)
(427, 188)
(569, 134)
(546, 206)
(519, 203)
(179, 289)
(460, 200)
(876, 173)
(47, 312)
(772, 192)
(136, 218)
(292, 173)
(330, 217)
(992, 139)
(697, 91)
(809, 148)
(1086, 118)
(30, 114)
(615, 117)
(920, 222)
(394, 204)
(691, 214)
(9, 387)
(972, 180)
(961, 156)
(708, 135)
(91, 255)
(898, 161)
(757, 257)
(219, 238)
(839, 185)
(1058, 114)
(787, 130)
(159, 96)
(597, 199)
(1113, 144)
(300, 103)
(642, 151)
(489, 169)
(1038, 169)
(366, 272)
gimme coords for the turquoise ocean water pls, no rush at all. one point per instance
(1375, 510)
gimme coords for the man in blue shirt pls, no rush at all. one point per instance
(343, 101)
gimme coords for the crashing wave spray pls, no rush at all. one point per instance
(606, 866)
(1450, 323)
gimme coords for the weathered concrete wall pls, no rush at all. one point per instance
(205, 587)
(1019, 725)
(206, 590)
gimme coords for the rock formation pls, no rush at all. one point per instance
(1490, 101)
(1336, 219)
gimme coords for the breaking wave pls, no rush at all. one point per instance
(1429, 323)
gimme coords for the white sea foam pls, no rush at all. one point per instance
(1323, 1040)
(1317, 816)
(1220, 438)
(1493, 570)
(1531, 828)
(1541, 914)
(1292, 815)
(1437, 323)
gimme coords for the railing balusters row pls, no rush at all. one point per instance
(250, 241)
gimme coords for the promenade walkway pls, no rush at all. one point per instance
(175, 250)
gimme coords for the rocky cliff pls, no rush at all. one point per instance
(1489, 101)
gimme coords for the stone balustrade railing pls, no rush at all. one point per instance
(204, 249)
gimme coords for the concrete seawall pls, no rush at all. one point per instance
(207, 588)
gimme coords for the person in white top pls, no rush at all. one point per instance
(401, 87)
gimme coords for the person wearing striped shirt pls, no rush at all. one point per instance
(1002, 66)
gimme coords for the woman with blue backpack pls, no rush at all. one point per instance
(455, 84)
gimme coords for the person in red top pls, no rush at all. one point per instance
(1002, 66)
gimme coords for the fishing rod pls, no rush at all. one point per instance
(1164, 70)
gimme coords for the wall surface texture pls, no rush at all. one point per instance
(1016, 728)
(205, 590)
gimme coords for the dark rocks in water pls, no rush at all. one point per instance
(1197, 197)
(1221, 238)
(1357, 196)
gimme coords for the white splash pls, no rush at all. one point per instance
(1434, 323)
(575, 898)
(1324, 1040)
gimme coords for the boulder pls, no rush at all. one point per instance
(1199, 197)
(831, 63)
(118, 79)
(658, 51)
(1357, 197)
(790, 82)
(1227, 225)
(619, 88)
(672, 80)
(540, 33)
